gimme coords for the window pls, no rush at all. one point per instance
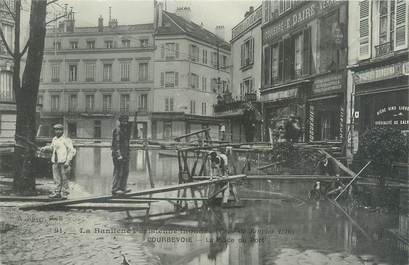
(171, 50)
(109, 44)
(266, 65)
(55, 73)
(90, 72)
(97, 129)
(126, 43)
(204, 108)
(213, 60)
(143, 102)
(144, 43)
(169, 79)
(284, 5)
(167, 130)
(204, 83)
(383, 22)
(169, 104)
(40, 101)
(55, 103)
(124, 103)
(74, 44)
(89, 102)
(401, 25)
(72, 103)
(90, 44)
(223, 61)
(194, 81)
(57, 45)
(72, 72)
(247, 53)
(192, 107)
(364, 29)
(298, 55)
(143, 71)
(194, 53)
(106, 103)
(275, 63)
(204, 59)
(107, 72)
(248, 86)
(124, 71)
(213, 85)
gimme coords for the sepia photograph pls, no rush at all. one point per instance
(204, 132)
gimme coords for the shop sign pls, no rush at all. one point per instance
(247, 23)
(292, 20)
(280, 95)
(327, 83)
(382, 73)
(392, 116)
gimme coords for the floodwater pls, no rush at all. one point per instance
(273, 230)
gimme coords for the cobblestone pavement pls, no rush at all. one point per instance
(38, 237)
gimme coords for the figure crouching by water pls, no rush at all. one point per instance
(120, 156)
(62, 154)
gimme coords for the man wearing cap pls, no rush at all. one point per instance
(62, 154)
(120, 156)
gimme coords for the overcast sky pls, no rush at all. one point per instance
(210, 12)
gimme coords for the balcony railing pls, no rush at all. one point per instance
(234, 104)
(383, 49)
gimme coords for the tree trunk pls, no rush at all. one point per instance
(26, 100)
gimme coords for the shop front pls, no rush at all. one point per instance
(381, 98)
(326, 112)
(280, 105)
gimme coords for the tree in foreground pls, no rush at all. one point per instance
(26, 88)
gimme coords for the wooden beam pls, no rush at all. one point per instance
(352, 181)
(104, 198)
(171, 199)
(190, 134)
(130, 200)
(106, 206)
(27, 199)
(341, 166)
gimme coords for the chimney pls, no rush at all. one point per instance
(70, 21)
(100, 24)
(183, 12)
(251, 9)
(113, 23)
(158, 8)
(220, 32)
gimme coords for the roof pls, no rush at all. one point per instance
(175, 25)
(107, 29)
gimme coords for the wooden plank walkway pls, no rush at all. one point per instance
(105, 206)
(105, 198)
(285, 177)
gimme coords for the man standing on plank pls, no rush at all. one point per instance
(120, 156)
(62, 154)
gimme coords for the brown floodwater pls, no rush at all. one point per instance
(280, 227)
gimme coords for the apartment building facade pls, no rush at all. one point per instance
(192, 67)
(378, 67)
(91, 75)
(303, 66)
(246, 77)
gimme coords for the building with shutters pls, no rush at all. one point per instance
(378, 67)
(91, 75)
(304, 55)
(192, 67)
(246, 77)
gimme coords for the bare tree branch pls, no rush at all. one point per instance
(9, 10)
(52, 2)
(55, 19)
(25, 49)
(3, 39)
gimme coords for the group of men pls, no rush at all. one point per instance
(63, 152)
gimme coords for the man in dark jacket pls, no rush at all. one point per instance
(120, 156)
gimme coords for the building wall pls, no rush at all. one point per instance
(253, 72)
(134, 87)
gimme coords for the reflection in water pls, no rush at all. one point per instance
(277, 231)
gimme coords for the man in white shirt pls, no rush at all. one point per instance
(62, 154)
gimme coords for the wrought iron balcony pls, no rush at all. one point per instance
(230, 104)
(383, 49)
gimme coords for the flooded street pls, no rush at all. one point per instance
(272, 230)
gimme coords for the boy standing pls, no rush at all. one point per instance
(62, 154)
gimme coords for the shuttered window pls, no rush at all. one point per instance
(364, 29)
(247, 53)
(401, 25)
(266, 64)
(307, 52)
